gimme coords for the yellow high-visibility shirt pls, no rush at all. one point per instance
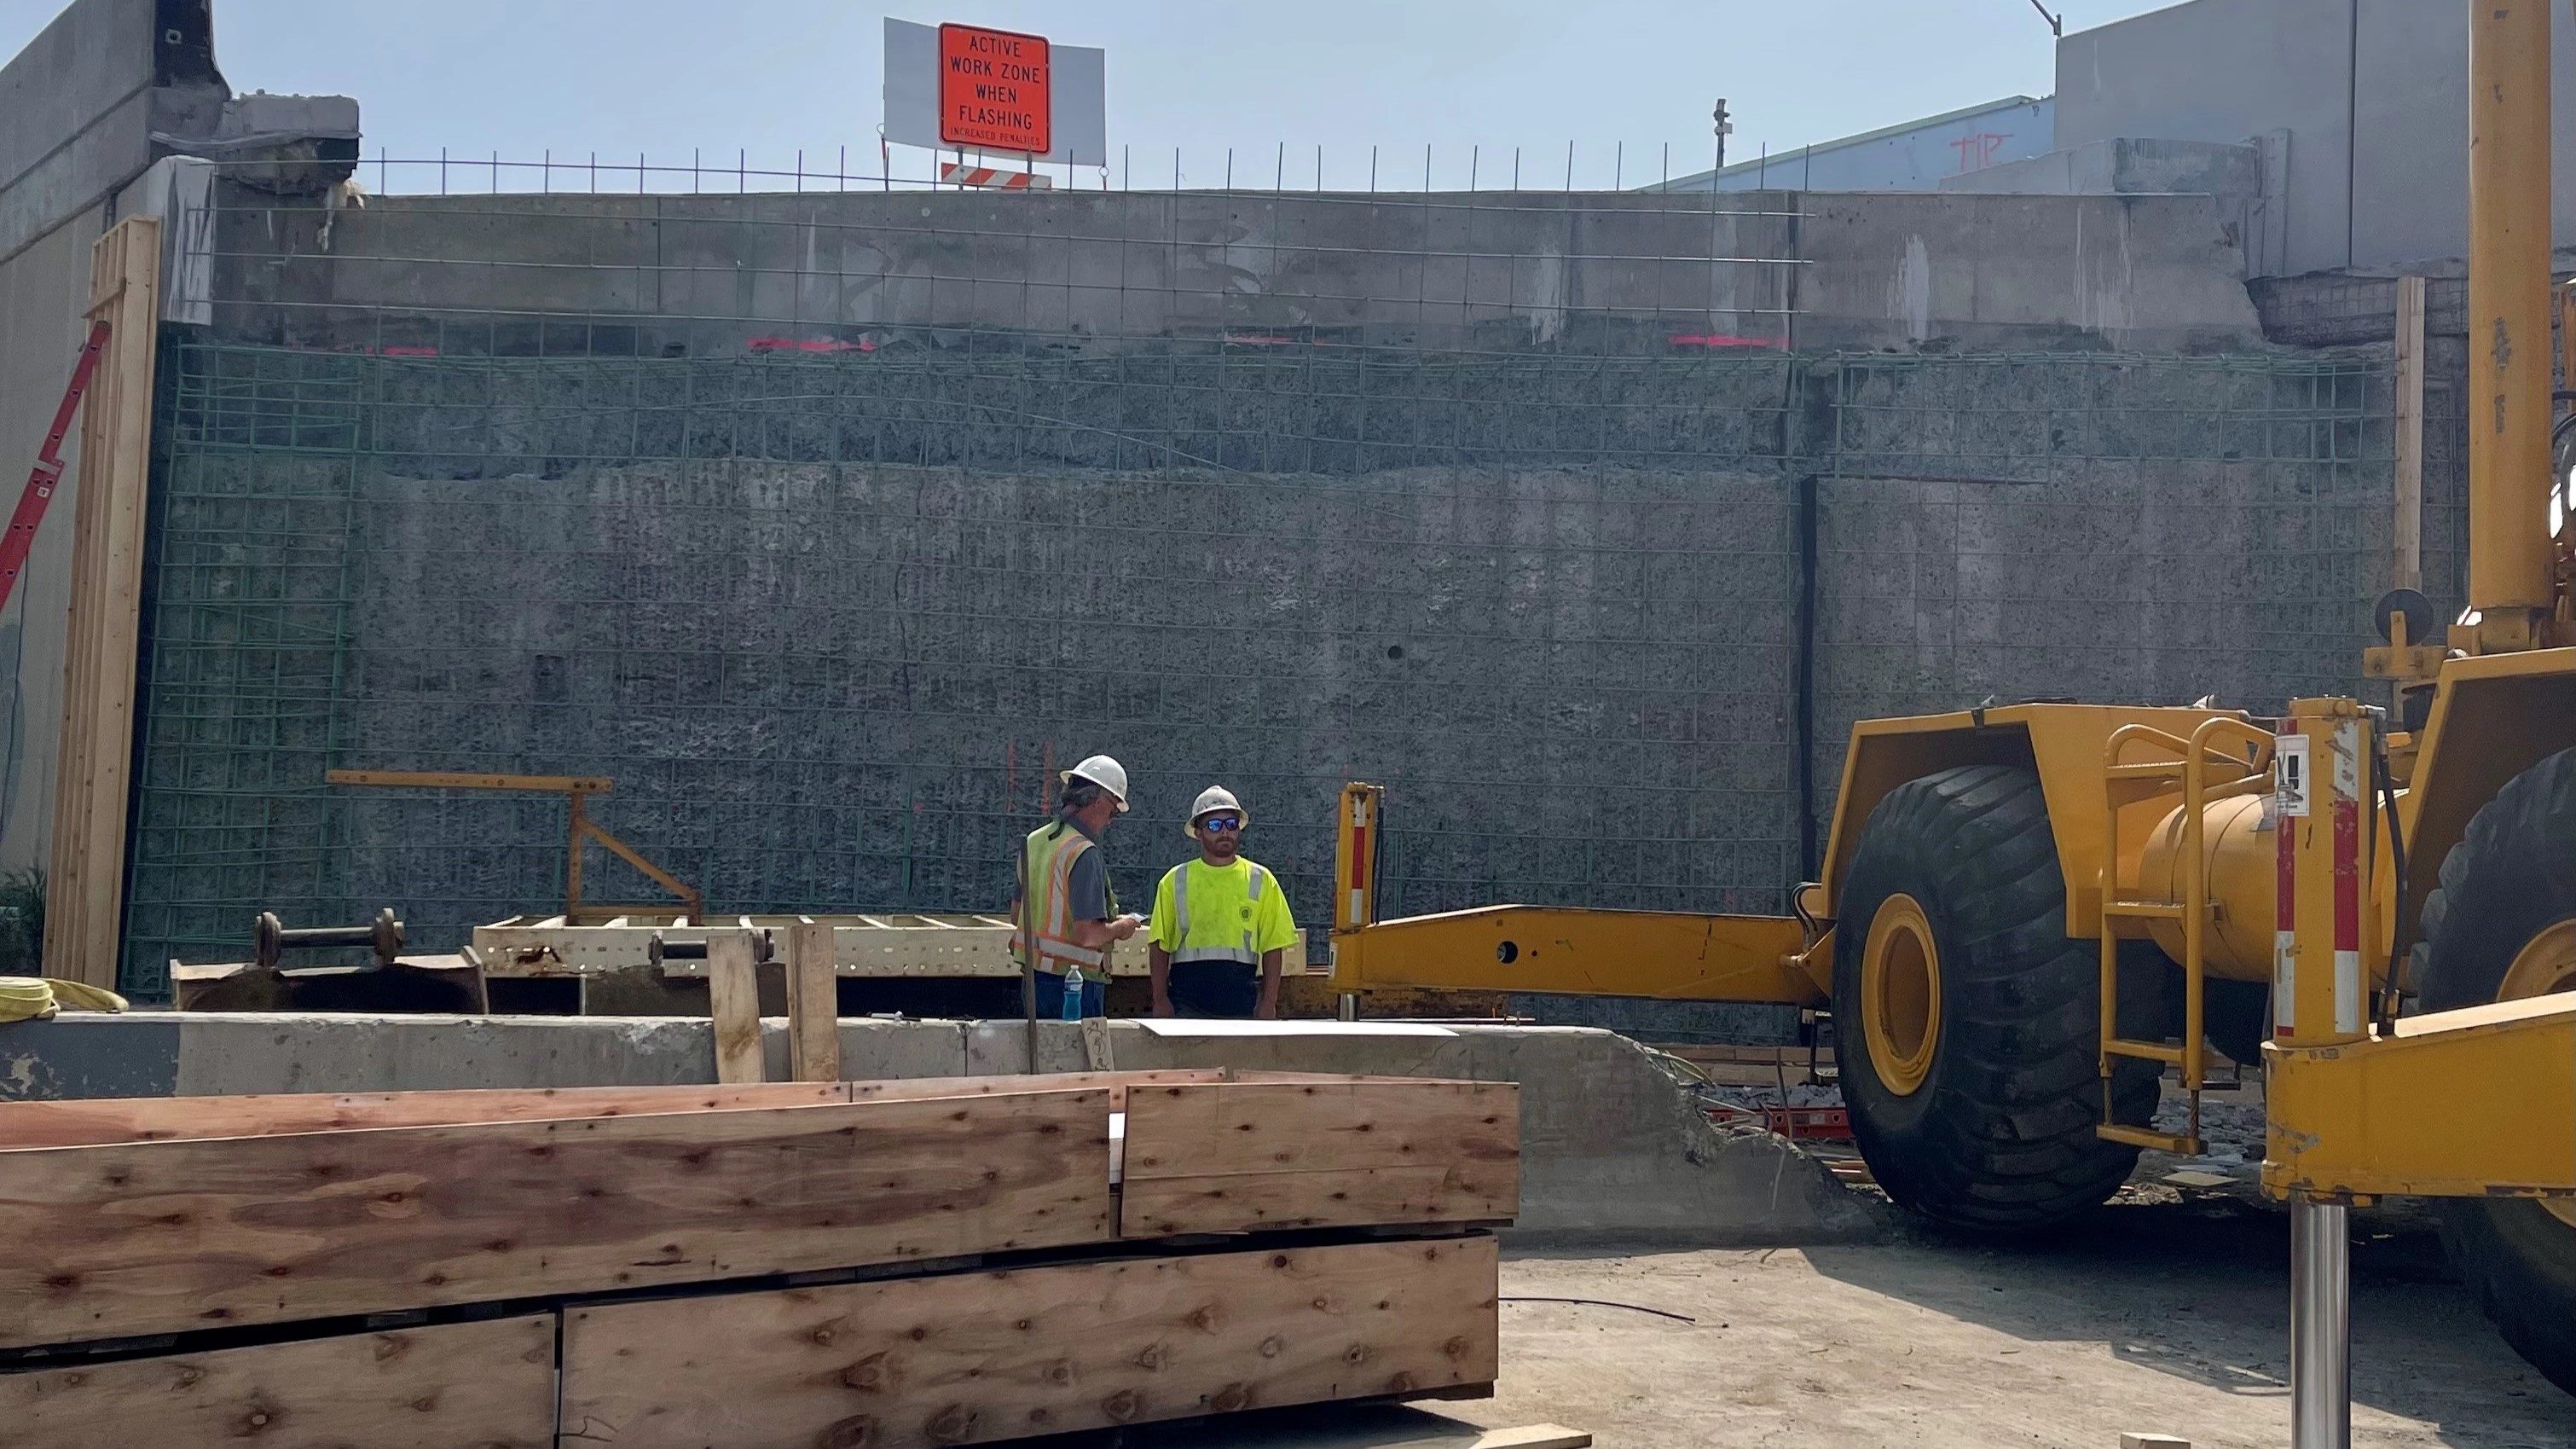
(1221, 913)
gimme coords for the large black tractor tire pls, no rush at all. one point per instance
(2511, 877)
(1996, 1134)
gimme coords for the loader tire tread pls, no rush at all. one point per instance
(1999, 1138)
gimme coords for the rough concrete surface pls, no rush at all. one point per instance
(2167, 1318)
(1611, 1149)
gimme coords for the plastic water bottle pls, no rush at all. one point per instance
(1072, 993)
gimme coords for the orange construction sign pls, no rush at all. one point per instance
(993, 90)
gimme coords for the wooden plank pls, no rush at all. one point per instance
(489, 1385)
(733, 1000)
(125, 281)
(975, 1357)
(156, 1237)
(98, 1121)
(1238, 1156)
(85, 887)
(2407, 571)
(1118, 1084)
(813, 1005)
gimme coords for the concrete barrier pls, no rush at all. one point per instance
(1612, 1150)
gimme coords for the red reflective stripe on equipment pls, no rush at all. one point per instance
(48, 471)
(2285, 914)
(2347, 873)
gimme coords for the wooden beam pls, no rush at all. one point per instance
(2408, 533)
(813, 1005)
(911, 1363)
(164, 1237)
(733, 1000)
(85, 882)
(490, 1385)
(97, 1121)
(1238, 1156)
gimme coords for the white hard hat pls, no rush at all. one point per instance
(1214, 797)
(1104, 772)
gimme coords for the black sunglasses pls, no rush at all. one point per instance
(1220, 822)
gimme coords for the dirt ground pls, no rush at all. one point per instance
(2167, 1313)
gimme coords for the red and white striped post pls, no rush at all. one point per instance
(2319, 993)
(2318, 996)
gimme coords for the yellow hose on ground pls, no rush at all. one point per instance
(33, 998)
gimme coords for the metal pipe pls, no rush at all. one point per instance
(2320, 1325)
(2509, 234)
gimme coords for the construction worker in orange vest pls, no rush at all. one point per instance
(1076, 912)
(1220, 931)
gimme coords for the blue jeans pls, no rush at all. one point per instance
(1095, 996)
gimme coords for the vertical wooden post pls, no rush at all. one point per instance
(813, 1004)
(733, 999)
(85, 885)
(2408, 536)
(572, 862)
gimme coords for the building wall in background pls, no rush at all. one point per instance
(78, 108)
(2389, 74)
(1915, 156)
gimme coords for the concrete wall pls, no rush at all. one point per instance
(1586, 273)
(2373, 94)
(827, 620)
(1611, 1149)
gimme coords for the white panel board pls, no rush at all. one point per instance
(1078, 78)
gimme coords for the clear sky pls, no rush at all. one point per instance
(666, 77)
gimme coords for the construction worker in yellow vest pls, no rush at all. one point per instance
(1076, 913)
(1216, 919)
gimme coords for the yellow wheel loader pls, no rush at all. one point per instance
(2027, 914)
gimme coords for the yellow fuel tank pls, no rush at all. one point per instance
(2243, 861)
(2244, 871)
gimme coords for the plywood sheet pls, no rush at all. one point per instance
(970, 1358)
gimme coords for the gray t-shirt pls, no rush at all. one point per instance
(1089, 884)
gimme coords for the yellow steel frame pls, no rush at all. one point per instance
(575, 789)
(2127, 782)
(2472, 1103)
(2062, 743)
(1667, 954)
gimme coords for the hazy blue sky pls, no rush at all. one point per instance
(666, 76)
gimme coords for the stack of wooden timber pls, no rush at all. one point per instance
(856, 1265)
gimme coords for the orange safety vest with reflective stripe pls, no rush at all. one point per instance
(1046, 869)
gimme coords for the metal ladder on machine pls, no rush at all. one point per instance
(2206, 773)
(48, 473)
